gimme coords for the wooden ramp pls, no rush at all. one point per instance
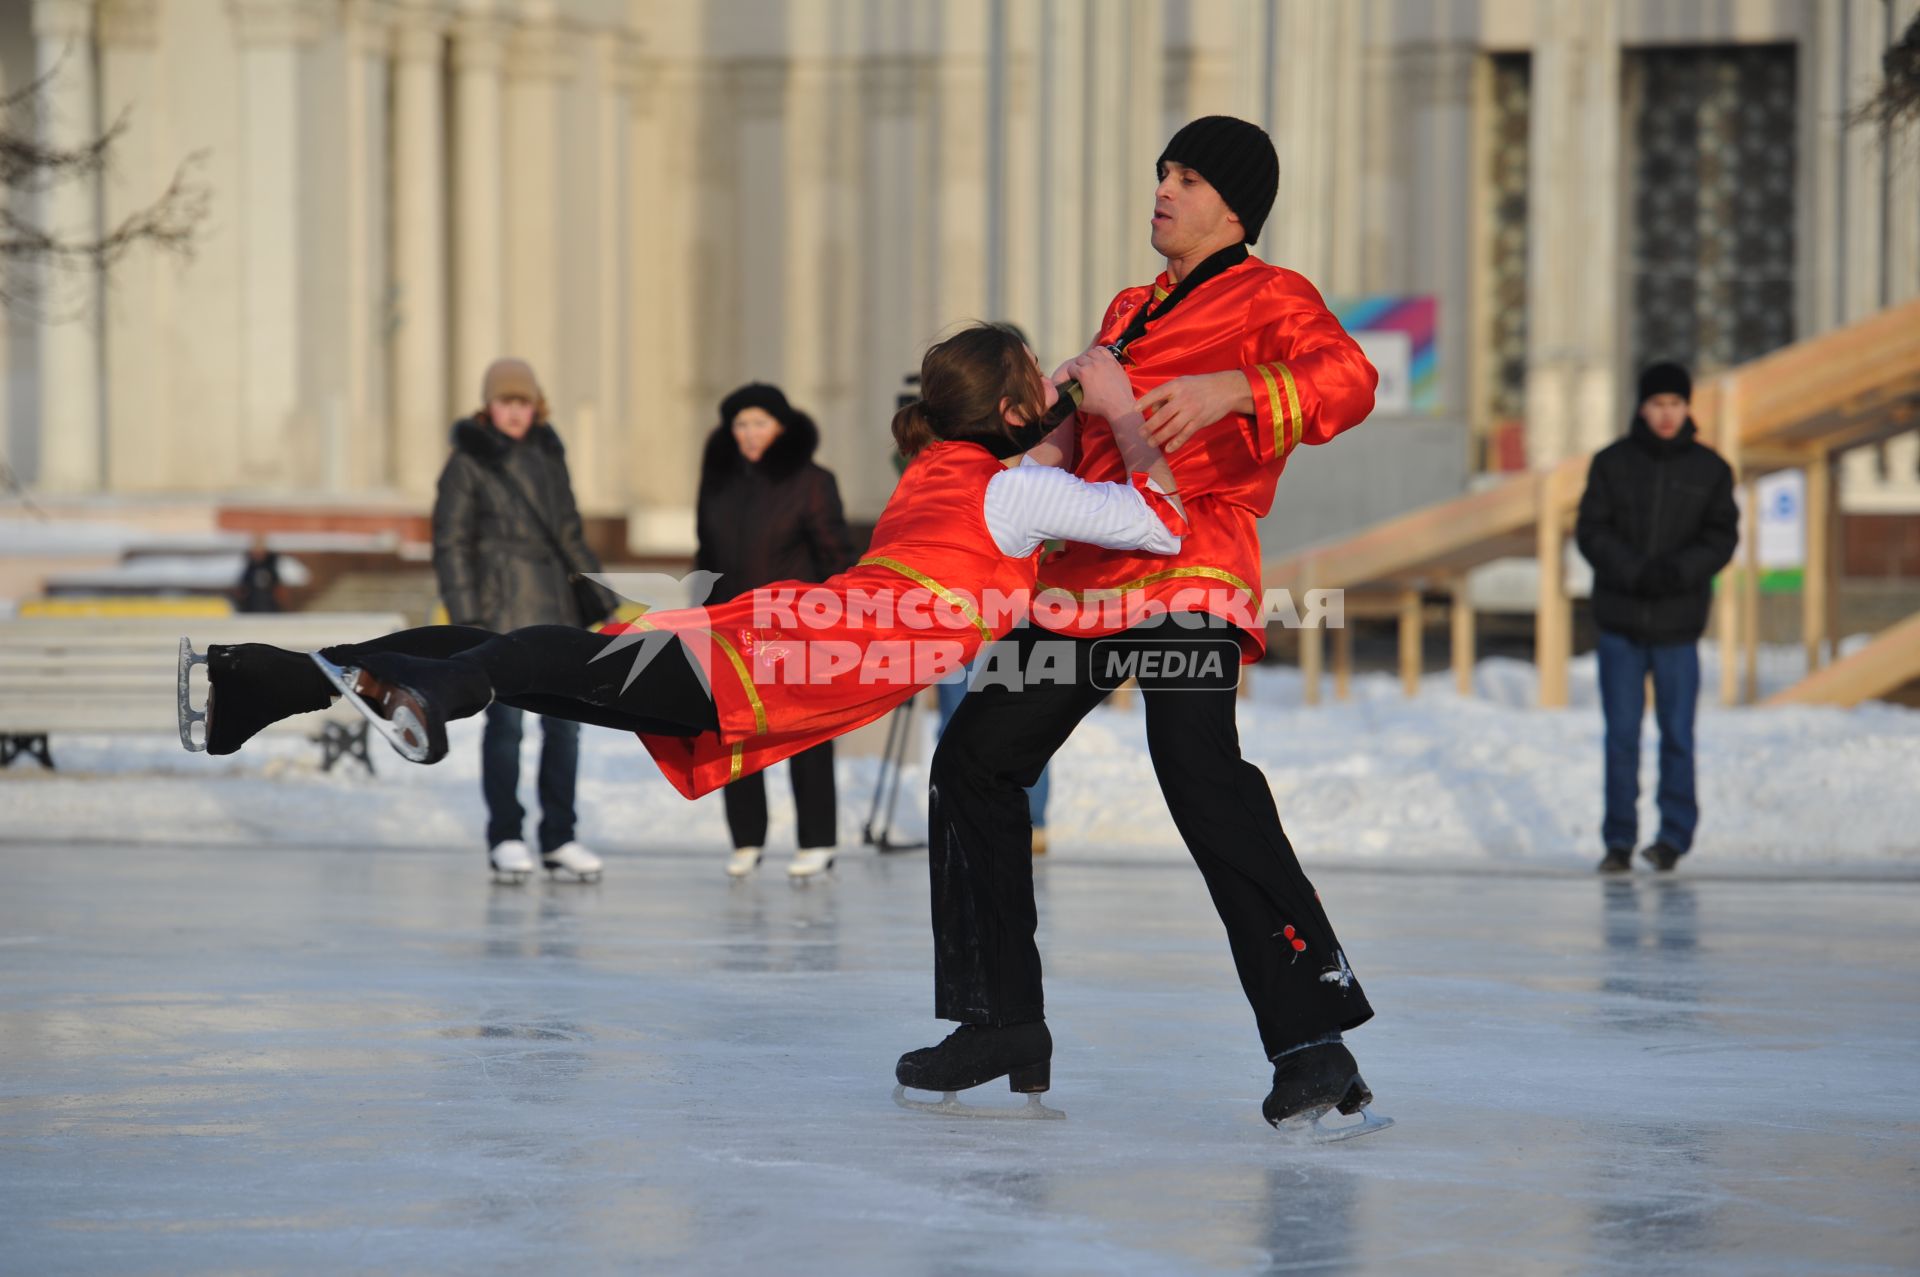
(1796, 408)
(1888, 663)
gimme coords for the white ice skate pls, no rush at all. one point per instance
(811, 863)
(743, 861)
(407, 731)
(512, 861)
(571, 857)
(950, 1105)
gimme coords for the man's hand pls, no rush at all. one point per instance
(1177, 408)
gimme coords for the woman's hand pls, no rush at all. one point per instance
(1105, 391)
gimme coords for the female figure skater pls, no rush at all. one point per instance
(716, 693)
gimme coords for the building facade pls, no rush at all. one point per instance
(655, 201)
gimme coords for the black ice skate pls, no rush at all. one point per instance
(1618, 860)
(1312, 1082)
(973, 1055)
(250, 686)
(409, 700)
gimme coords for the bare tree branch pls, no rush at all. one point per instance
(31, 166)
(1897, 101)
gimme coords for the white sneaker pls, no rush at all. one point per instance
(512, 861)
(806, 864)
(575, 859)
(743, 861)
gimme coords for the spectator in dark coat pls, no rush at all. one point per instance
(260, 588)
(768, 512)
(507, 548)
(1657, 522)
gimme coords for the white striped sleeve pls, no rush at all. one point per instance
(1029, 505)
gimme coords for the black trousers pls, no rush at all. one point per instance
(986, 964)
(630, 684)
(814, 804)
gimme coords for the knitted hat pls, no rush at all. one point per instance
(1665, 379)
(1237, 158)
(510, 379)
(756, 394)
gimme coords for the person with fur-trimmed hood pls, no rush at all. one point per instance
(769, 512)
(508, 547)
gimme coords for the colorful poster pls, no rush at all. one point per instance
(1398, 334)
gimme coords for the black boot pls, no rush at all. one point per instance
(1308, 1082)
(1662, 856)
(974, 1054)
(1618, 860)
(418, 695)
(251, 686)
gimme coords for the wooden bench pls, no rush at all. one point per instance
(115, 677)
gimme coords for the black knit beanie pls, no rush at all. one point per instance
(757, 394)
(1237, 158)
(1665, 379)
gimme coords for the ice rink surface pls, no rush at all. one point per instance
(304, 1060)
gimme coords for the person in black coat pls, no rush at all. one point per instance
(260, 588)
(507, 548)
(1657, 522)
(768, 512)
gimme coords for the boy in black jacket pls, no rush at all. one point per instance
(1657, 522)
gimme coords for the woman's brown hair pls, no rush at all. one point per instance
(962, 383)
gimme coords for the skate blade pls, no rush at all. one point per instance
(511, 877)
(188, 714)
(1314, 1129)
(404, 731)
(949, 1105)
(554, 872)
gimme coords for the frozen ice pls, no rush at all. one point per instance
(272, 1056)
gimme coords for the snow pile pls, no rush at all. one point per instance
(1442, 779)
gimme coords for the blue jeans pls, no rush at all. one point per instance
(1624, 666)
(951, 693)
(500, 777)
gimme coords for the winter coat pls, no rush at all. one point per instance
(497, 568)
(775, 519)
(1657, 521)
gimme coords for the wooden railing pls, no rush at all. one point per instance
(1796, 408)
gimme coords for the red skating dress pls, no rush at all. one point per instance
(793, 664)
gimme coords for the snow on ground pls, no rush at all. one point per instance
(1380, 779)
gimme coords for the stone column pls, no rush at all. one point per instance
(421, 410)
(600, 474)
(1105, 148)
(141, 452)
(480, 197)
(1022, 269)
(822, 148)
(1573, 265)
(359, 457)
(70, 368)
(538, 60)
(1065, 324)
(273, 426)
(960, 275)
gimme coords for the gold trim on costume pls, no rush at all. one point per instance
(1293, 405)
(965, 608)
(1276, 412)
(1165, 574)
(746, 682)
(733, 772)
